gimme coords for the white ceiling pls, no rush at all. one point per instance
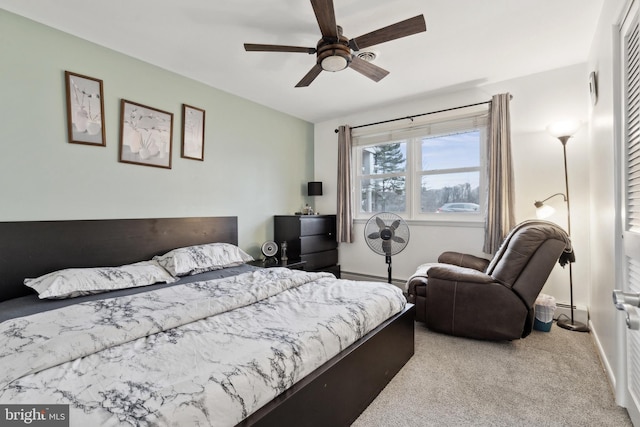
(467, 43)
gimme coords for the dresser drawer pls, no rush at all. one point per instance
(309, 244)
(318, 260)
(312, 225)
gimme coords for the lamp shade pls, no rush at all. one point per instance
(544, 211)
(314, 188)
(564, 128)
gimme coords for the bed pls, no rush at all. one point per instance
(203, 317)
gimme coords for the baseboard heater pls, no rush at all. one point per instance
(349, 275)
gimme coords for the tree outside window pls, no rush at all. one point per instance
(384, 178)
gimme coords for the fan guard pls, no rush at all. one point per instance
(386, 234)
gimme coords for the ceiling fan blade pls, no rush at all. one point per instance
(310, 76)
(404, 28)
(326, 17)
(367, 69)
(381, 224)
(374, 235)
(252, 47)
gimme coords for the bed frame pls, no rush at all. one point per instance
(334, 394)
(34, 248)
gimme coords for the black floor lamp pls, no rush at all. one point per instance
(563, 131)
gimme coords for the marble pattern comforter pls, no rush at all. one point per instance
(204, 353)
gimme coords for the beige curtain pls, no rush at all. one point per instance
(501, 196)
(345, 210)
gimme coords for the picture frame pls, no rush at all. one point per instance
(193, 119)
(85, 110)
(145, 135)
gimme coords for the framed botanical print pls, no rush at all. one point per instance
(192, 132)
(145, 135)
(85, 110)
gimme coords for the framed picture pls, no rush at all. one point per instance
(145, 135)
(85, 110)
(192, 132)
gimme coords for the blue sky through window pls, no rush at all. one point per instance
(451, 151)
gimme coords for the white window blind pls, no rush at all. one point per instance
(632, 134)
(630, 54)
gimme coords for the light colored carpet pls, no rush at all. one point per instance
(547, 379)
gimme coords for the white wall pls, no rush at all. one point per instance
(256, 163)
(538, 100)
(607, 324)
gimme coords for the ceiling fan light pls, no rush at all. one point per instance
(334, 63)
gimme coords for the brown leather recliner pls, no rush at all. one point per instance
(473, 297)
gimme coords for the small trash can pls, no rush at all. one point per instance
(545, 307)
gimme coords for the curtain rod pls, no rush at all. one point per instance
(423, 114)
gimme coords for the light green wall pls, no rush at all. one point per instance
(257, 160)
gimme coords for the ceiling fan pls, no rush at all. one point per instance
(333, 52)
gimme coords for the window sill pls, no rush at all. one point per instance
(470, 223)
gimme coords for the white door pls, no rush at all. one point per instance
(630, 180)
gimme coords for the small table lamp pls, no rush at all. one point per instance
(314, 188)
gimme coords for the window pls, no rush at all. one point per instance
(431, 170)
(383, 183)
(450, 173)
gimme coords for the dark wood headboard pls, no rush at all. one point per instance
(33, 248)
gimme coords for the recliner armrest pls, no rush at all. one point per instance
(455, 273)
(464, 260)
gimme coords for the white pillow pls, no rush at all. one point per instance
(75, 282)
(201, 258)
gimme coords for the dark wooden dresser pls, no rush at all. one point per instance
(310, 238)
